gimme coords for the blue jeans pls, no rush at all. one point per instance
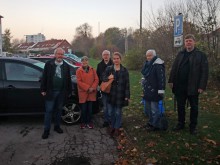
(106, 108)
(116, 116)
(53, 107)
(86, 112)
(153, 113)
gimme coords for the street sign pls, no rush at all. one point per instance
(178, 25)
(178, 30)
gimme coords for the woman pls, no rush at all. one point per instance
(120, 91)
(154, 87)
(87, 82)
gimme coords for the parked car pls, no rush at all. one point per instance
(67, 59)
(20, 90)
(44, 59)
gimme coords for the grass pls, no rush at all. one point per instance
(168, 147)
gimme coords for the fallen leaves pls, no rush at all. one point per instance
(210, 141)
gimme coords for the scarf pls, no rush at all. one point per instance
(148, 66)
(58, 69)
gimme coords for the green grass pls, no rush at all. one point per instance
(169, 147)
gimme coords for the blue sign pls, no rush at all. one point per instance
(178, 25)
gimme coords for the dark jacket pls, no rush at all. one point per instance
(155, 82)
(120, 89)
(101, 69)
(198, 72)
(47, 79)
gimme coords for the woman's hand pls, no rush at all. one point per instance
(111, 76)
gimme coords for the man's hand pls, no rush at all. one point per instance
(43, 93)
(200, 90)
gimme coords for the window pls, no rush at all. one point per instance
(21, 72)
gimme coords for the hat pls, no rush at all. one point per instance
(84, 58)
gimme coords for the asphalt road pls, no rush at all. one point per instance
(21, 144)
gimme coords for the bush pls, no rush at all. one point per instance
(134, 59)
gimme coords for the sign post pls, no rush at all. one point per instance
(178, 30)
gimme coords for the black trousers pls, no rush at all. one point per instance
(181, 104)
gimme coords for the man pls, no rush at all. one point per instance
(106, 61)
(55, 88)
(154, 87)
(188, 78)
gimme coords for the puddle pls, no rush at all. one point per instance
(72, 161)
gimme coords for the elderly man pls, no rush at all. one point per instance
(154, 86)
(55, 88)
(106, 61)
(188, 78)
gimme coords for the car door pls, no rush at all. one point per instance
(22, 88)
(2, 101)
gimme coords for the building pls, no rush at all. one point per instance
(45, 47)
(35, 38)
(0, 36)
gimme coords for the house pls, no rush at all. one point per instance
(44, 47)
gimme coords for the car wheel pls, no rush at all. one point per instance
(71, 113)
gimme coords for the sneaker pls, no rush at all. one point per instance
(45, 134)
(193, 131)
(90, 125)
(82, 126)
(58, 130)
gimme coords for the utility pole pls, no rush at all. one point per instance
(140, 16)
(1, 35)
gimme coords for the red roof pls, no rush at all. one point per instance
(48, 43)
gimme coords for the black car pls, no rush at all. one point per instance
(20, 90)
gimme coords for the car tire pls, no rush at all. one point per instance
(71, 113)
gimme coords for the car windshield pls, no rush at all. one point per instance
(39, 64)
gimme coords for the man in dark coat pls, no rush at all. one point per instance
(106, 61)
(188, 78)
(55, 88)
(154, 87)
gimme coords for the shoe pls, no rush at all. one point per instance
(90, 125)
(58, 130)
(193, 131)
(82, 126)
(45, 134)
(178, 127)
(117, 132)
(152, 129)
(148, 126)
(105, 124)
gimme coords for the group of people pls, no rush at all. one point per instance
(188, 78)
(56, 87)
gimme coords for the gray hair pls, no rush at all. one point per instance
(105, 52)
(152, 51)
(55, 51)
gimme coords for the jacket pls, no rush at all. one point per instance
(119, 90)
(101, 69)
(84, 82)
(154, 84)
(47, 79)
(198, 72)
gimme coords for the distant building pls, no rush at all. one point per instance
(45, 47)
(35, 38)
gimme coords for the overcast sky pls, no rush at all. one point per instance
(59, 18)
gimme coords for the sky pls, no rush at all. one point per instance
(59, 19)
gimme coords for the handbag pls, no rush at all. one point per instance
(163, 123)
(106, 86)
